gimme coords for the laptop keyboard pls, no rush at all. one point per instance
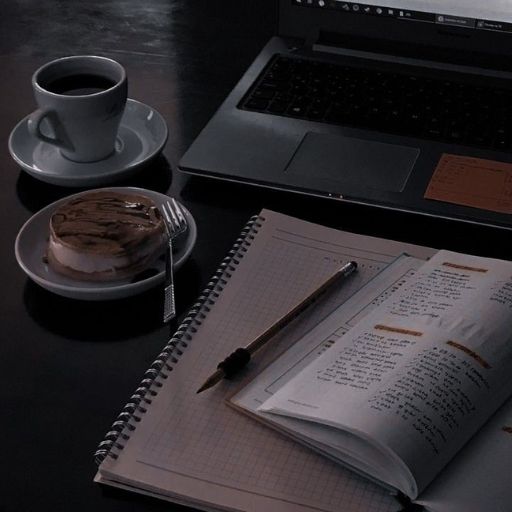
(406, 104)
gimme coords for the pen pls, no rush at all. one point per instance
(241, 356)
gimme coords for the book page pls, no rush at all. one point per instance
(423, 371)
(196, 450)
(479, 477)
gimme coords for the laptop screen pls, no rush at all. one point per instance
(482, 15)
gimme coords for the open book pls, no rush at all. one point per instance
(402, 382)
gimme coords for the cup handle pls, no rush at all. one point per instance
(34, 126)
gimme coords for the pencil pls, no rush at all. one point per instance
(241, 356)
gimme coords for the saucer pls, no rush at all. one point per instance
(142, 135)
(32, 240)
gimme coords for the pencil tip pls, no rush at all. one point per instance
(211, 381)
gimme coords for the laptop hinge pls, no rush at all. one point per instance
(311, 40)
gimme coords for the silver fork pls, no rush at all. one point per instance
(175, 224)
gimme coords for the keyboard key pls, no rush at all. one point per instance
(257, 104)
(265, 95)
(277, 107)
(297, 110)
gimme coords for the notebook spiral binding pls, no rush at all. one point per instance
(127, 420)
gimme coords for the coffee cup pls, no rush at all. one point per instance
(81, 101)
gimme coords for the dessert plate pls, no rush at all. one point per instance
(142, 135)
(31, 242)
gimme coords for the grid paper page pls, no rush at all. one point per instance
(195, 446)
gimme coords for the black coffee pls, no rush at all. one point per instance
(79, 85)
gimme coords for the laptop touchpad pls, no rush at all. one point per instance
(353, 164)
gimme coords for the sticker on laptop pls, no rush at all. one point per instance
(476, 182)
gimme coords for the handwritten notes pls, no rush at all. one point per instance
(366, 362)
(433, 393)
(421, 372)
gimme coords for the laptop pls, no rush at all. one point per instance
(404, 106)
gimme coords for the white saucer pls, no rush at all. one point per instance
(142, 135)
(32, 239)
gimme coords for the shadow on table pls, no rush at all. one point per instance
(110, 320)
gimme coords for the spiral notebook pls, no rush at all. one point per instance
(195, 450)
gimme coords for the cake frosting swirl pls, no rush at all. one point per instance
(105, 235)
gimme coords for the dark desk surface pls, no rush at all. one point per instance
(68, 367)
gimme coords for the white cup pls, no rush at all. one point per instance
(81, 101)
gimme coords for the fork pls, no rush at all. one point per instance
(175, 224)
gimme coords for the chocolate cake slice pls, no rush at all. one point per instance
(105, 235)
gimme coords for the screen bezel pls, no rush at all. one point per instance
(490, 48)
